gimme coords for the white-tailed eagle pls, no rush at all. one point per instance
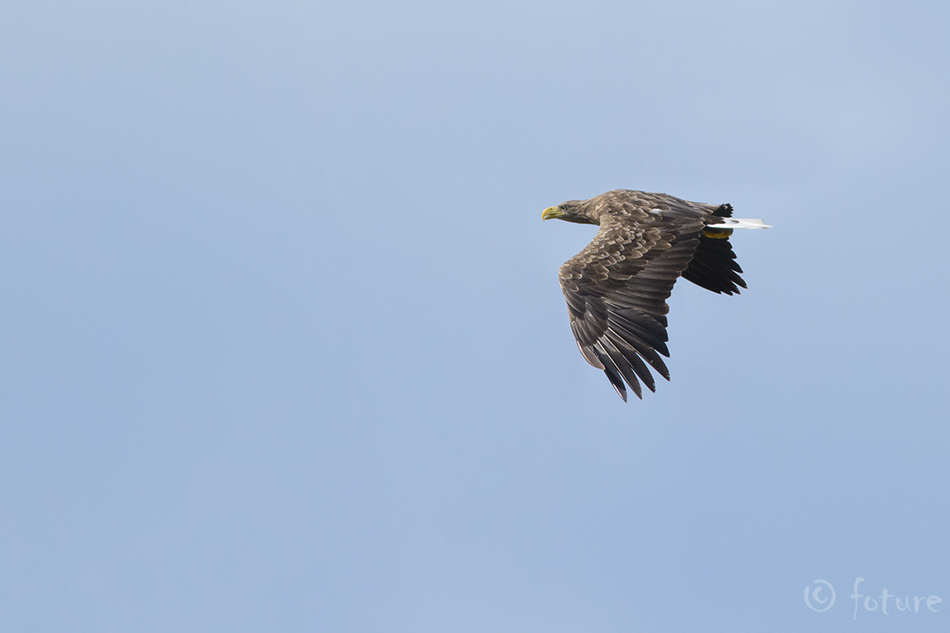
(617, 287)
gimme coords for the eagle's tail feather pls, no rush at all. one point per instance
(739, 223)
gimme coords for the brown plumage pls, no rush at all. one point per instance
(616, 288)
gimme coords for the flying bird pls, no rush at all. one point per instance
(616, 288)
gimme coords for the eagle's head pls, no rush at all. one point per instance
(573, 211)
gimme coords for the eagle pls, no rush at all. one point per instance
(616, 288)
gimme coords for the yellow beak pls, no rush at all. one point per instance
(551, 212)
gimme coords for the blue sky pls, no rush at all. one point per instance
(283, 345)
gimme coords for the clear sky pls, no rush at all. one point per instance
(282, 346)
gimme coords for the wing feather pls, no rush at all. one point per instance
(622, 365)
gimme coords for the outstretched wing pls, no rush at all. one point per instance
(616, 290)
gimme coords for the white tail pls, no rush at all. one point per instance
(739, 223)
